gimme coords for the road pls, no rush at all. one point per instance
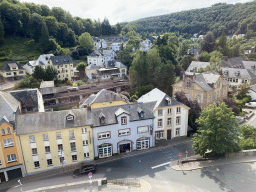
(231, 178)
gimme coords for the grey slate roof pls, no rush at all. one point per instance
(110, 117)
(61, 59)
(8, 105)
(235, 62)
(27, 98)
(4, 120)
(106, 96)
(200, 80)
(243, 73)
(8, 64)
(195, 65)
(50, 121)
(45, 84)
(95, 54)
(165, 102)
(249, 65)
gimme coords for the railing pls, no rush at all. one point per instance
(127, 182)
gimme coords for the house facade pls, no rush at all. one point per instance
(146, 45)
(53, 139)
(171, 116)
(64, 66)
(235, 76)
(115, 46)
(11, 164)
(123, 128)
(109, 55)
(206, 88)
(11, 70)
(96, 58)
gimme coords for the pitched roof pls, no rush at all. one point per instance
(237, 73)
(50, 121)
(131, 109)
(8, 105)
(195, 65)
(4, 120)
(160, 98)
(45, 84)
(27, 98)
(61, 59)
(249, 65)
(106, 96)
(95, 54)
(8, 64)
(233, 62)
(92, 66)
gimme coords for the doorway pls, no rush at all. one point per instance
(125, 148)
(169, 134)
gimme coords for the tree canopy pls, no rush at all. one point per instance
(217, 131)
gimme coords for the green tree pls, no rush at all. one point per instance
(134, 41)
(1, 32)
(45, 10)
(39, 73)
(222, 44)
(34, 8)
(44, 39)
(248, 137)
(205, 57)
(208, 42)
(81, 68)
(85, 41)
(51, 73)
(242, 90)
(37, 26)
(52, 25)
(28, 82)
(106, 27)
(217, 131)
(59, 14)
(126, 55)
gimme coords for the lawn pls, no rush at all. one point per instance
(18, 49)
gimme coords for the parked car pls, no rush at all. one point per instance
(250, 104)
(84, 169)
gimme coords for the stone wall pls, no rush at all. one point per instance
(243, 153)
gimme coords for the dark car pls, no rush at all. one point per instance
(84, 169)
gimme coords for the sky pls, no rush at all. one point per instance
(127, 10)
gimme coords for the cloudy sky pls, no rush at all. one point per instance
(127, 10)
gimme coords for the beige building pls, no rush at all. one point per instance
(206, 88)
(64, 66)
(12, 70)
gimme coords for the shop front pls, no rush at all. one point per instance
(125, 146)
(143, 143)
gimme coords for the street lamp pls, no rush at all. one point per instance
(20, 185)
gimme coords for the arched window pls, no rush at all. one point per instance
(9, 131)
(2, 132)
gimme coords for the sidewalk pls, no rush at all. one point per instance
(58, 172)
(208, 163)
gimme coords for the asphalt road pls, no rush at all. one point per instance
(231, 178)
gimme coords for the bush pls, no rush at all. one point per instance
(246, 99)
(68, 82)
(79, 83)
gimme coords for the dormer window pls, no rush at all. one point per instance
(70, 117)
(102, 120)
(123, 120)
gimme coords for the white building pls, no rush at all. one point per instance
(146, 45)
(122, 128)
(108, 55)
(116, 46)
(42, 61)
(171, 116)
(96, 43)
(104, 44)
(96, 57)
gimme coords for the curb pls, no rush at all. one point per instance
(179, 167)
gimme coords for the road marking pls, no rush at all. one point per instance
(161, 165)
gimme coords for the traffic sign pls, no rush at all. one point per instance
(180, 155)
(90, 174)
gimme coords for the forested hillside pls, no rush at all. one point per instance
(233, 19)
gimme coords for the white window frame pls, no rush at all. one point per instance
(48, 147)
(11, 158)
(84, 130)
(34, 152)
(73, 146)
(160, 112)
(123, 120)
(85, 142)
(60, 147)
(169, 121)
(177, 131)
(8, 142)
(58, 135)
(45, 137)
(169, 111)
(178, 110)
(104, 135)
(160, 123)
(105, 148)
(178, 119)
(32, 138)
(124, 132)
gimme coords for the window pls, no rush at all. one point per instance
(8, 142)
(11, 158)
(8, 73)
(0, 162)
(71, 135)
(9, 131)
(236, 80)
(32, 139)
(70, 117)
(160, 112)
(105, 150)
(187, 95)
(60, 147)
(188, 84)
(47, 149)
(177, 120)
(85, 142)
(66, 66)
(49, 162)
(34, 151)
(142, 143)
(62, 159)
(143, 129)
(245, 81)
(73, 146)
(20, 72)
(178, 131)
(59, 76)
(36, 164)
(159, 134)
(58, 67)
(84, 130)
(104, 135)
(86, 155)
(159, 124)
(169, 121)
(58, 135)
(198, 99)
(123, 132)
(169, 111)
(178, 109)
(74, 158)
(2, 132)
(45, 137)
(66, 75)
(123, 120)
